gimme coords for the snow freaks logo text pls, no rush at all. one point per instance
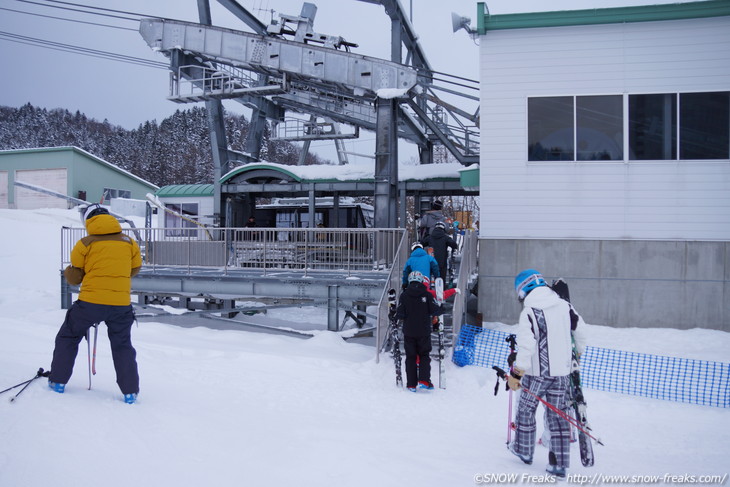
(598, 479)
(513, 478)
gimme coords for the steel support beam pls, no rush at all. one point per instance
(247, 17)
(217, 129)
(386, 163)
(333, 310)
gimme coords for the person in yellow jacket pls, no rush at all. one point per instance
(104, 263)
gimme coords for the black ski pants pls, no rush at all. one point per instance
(79, 318)
(417, 348)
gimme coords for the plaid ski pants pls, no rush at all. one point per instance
(553, 390)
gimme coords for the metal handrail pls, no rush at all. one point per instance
(393, 282)
(351, 250)
(467, 271)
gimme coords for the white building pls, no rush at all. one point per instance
(605, 159)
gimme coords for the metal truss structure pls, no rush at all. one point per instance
(288, 68)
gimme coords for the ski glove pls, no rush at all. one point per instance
(73, 275)
(513, 381)
(435, 323)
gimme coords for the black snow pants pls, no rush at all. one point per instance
(417, 348)
(79, 318)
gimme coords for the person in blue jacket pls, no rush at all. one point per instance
(422, 262)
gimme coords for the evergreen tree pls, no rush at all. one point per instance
(175, 151)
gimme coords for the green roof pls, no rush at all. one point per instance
(185, 190)
(89, 155)
(615, 15)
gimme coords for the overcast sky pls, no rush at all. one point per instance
(129, 94)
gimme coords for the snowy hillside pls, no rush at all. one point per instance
(233, 408)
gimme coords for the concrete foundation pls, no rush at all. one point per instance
(621, 283)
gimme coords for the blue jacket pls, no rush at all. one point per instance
(422, 262)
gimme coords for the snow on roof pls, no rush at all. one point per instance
(356, 172)
(87, 154)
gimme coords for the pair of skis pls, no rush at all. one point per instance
(576, 390)
(394, 337)
(442, 349)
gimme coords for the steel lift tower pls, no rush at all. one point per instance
(288, 67)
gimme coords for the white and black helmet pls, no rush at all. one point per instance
(93, 210)
(416, 245)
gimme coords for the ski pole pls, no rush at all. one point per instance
(503, 375)
(509, 419)
(93, 356)
(40, 373)
(560, 413)
(16, 385)
(88, 354)
(512, 341)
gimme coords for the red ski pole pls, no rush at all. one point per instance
(503, 375)
(562, 414)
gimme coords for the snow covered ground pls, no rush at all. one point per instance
(235, 408)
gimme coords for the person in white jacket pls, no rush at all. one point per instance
(548, 328)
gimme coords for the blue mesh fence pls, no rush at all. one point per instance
(639, 374)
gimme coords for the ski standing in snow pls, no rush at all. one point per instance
(103, 263)
(394, 337)
(416, 308)
(548, 329)
(440, 331)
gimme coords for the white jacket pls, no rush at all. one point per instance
(544, 343)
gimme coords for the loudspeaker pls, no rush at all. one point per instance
(459, 22)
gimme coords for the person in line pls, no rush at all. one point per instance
(546, 331)
(104, 263)
(441, 243)
(447, 292)
(422, 262)
(430, 218)
(417, 309)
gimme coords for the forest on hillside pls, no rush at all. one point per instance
(174, 151)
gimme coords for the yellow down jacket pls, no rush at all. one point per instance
(105, 262)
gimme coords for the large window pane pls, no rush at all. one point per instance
(703, 125)
(653, 127)
(175, 224)
(550, 129)
(599, 132)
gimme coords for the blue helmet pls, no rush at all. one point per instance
(415, 276)
(528, 280)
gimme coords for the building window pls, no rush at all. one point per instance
(583, 128)
(663, 127)
(550, 129)
(599, 122)
(653, 127)
(704, 125)
(176, 226)
(110, 193)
